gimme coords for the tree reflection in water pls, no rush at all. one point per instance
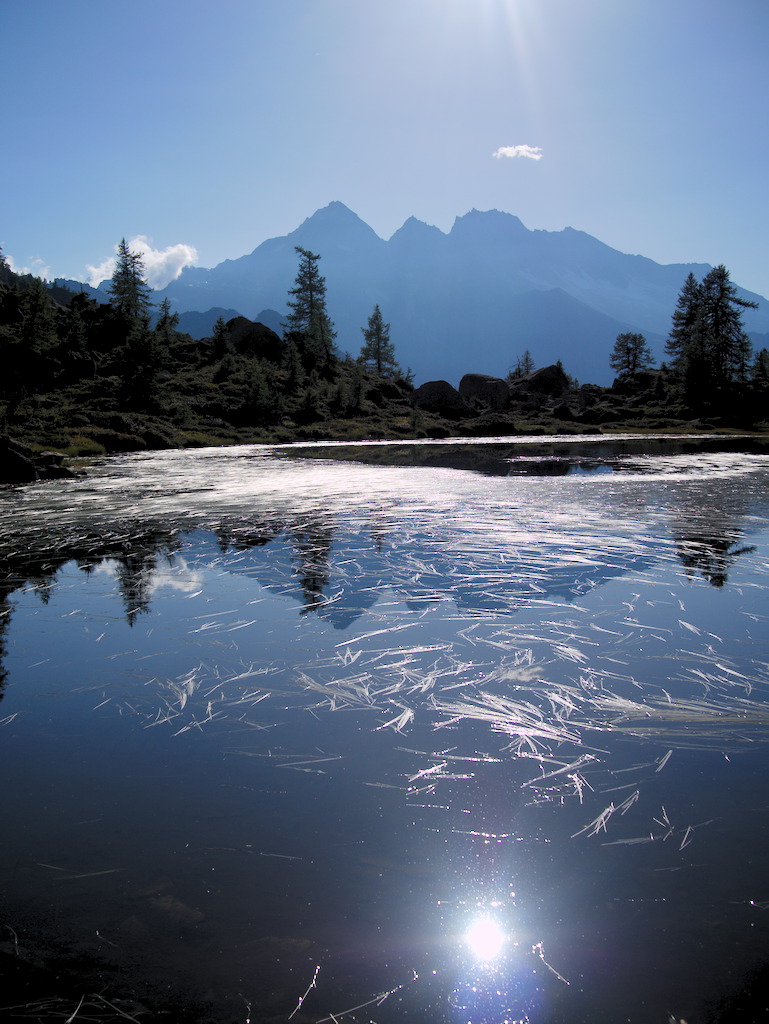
(707, 542)
(711, 556)
(707, 536)
(312, 546)
(495, 643)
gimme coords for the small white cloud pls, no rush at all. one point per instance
(161, 266)
(101, 272)
(37, 267)
(179, 576)
(511, 152)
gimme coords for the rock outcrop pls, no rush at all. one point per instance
(440, 397)
(254, 339)
(21, 465)
(550, 380)
(480, 390)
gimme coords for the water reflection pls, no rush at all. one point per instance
(497, 980)
(312, 546)
(337, 575)
(485, 939)
(358, 703)
(528, 456)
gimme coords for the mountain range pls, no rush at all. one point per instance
(470, 300)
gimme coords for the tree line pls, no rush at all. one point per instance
(711, 362)
(61, 348)
(75, 363)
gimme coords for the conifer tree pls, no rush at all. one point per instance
(729, 347)
(292, 363)
(129, 291)
(708, 346)
(524, 365)
(685, 344)
(139, 357)
(378, 352)
(165, 328)
(761, 369)
(75, 352)
(37, 334)
(220, 339)
(631, 354)
(140, 365)
(308, 323)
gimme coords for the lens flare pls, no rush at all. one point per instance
(485, 939)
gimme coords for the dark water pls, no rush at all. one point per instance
(459, 746)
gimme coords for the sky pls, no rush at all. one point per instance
(205, 128)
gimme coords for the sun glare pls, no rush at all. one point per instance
(485, 939)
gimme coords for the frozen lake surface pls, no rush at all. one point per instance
(442, 733)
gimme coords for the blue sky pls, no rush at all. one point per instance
(209, 127)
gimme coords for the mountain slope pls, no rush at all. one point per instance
(470, 300)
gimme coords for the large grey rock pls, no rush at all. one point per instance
(21, 465)
(440, 397)
(589, 394)
(16, 463)
(481, 390)
(254, 339)
(550, 380)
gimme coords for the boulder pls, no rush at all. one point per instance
(439, 397)
(254, 339)
(550, 380)
(563, 412)
(50, 466)
(590, 394)
(17, 464)
(481, 390)
(20, 465)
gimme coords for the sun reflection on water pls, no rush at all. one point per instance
(497, 981)
(486, 939)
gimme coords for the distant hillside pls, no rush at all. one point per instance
(472, 299)
(201, 325)
(100, 294)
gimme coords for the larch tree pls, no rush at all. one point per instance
(139, 358)
(378, 352)
(6, 274)
(129, 292)
(220, 340)
(308, 324)
(685, 345)
(708, 347)
(524, 365)
(761, 369)
(29, 346)
(167, 323)
(729, 348)
(631, 354)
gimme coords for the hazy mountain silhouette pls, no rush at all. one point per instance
(469, 300)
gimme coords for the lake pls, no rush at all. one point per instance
(460, 732)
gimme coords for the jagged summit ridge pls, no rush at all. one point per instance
(469, 300)
(335, 222)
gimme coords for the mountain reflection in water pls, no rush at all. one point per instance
(274, 722)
